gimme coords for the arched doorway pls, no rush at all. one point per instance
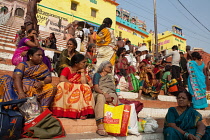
(19, 12)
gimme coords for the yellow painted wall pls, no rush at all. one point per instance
(104, 9)
(167, 40)
(127, 33)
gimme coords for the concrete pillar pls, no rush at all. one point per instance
(14, 8)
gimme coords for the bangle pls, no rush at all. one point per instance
(198, 136)
(199, 133)
(186, 135)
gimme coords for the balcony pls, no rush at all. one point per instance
(133, 26)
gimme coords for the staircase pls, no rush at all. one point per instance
(85, 129)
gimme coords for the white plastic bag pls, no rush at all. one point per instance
(151, 125)
(133, 123)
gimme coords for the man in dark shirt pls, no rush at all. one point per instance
(184, 72)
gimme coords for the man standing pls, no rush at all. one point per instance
(92, 36)
(120, 42)
(71, 28)
(31, 21)
(175, 63)
(189, 57)
(184, 72)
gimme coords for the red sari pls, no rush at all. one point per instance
(124, 65)
(73, 99)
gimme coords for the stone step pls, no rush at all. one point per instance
(12, 31)
(93, 136)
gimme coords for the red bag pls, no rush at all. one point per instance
(45, 126)
(138, 104)
(125, 120)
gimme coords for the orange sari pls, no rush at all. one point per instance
(73, 99)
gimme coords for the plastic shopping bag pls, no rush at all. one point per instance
(133, 124)
(116, 119)
(151, 125)
(30, 109)
(113, 119)
(141, 125)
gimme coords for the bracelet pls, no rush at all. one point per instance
(186, 135)
(199, 133)
(198, 136)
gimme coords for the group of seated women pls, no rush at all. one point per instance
(73, 97)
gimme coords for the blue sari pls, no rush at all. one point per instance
(187, 121)
(197, 84)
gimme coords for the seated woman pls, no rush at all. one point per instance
(183, 122)
(30, 78)
(106, 93)
(168, 85)
(74, 98)
(66, 55)
(91, 53)
(24, 45)
(121, 65)
(150, 86)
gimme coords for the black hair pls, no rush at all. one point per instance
(106, 23)
(138, 52)
(22, 27)
(127, 42)
(32, 51)
(119, 51)
(143, 44)
(181, 53)
(196, 55)
(175, 47)
(189, 96)
(53, 34)
(119, 38)
(76, 59)
(167, 68)
(90, 46)
(73, 41)
(30, 30)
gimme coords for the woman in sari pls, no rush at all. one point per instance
(74, 98)
(30, 78)
(196, 81)
(66, 55)
(105, 42)
(183, 122)
(105, 93)
(24, 45)
(149, 87)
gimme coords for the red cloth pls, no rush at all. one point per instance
(138, 105)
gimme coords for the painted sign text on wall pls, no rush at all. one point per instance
(164, 42)
(124, 29)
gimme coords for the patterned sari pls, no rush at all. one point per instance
(197, 84)
(105, 42)
(30, 75)
(187, 121)
(73, 99)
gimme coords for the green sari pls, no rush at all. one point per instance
(187, 121)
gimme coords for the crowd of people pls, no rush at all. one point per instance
(88, 81)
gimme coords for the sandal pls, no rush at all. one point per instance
(102, 132)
